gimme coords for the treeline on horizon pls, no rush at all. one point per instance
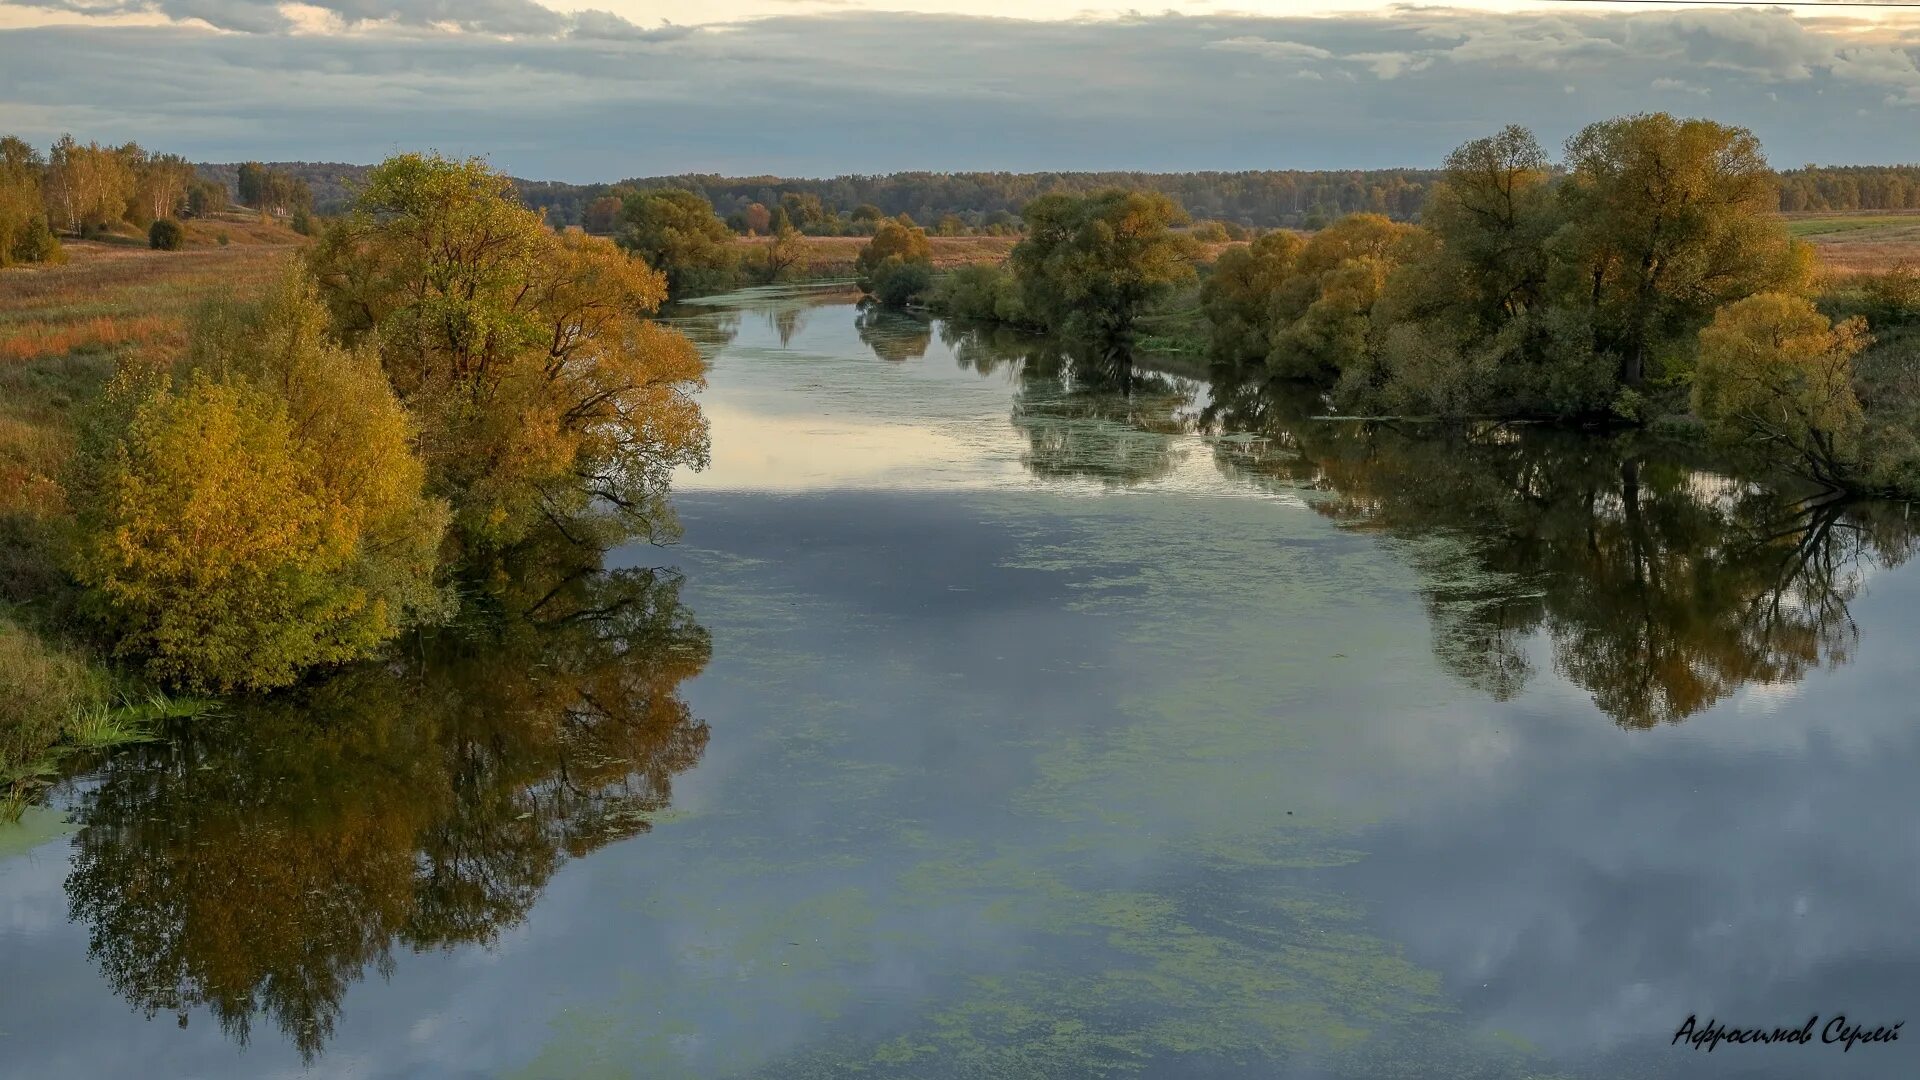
(1263, 198)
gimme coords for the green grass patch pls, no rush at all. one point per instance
(56, 701)
(1850, 223)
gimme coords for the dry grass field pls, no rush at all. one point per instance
(1864, 242)
(62, 328)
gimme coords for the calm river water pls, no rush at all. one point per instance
(1002, 715)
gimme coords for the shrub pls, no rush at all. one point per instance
(1210, 232)
(898, 238)
(261, 511)
(166, 234)
(896, 282)
(980, 291)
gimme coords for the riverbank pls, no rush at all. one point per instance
(62, 331)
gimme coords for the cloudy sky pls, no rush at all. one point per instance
(818, 87)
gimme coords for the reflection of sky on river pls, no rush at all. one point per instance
(814, 409)
(1009, 781)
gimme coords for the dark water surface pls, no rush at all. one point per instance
(1007, 715)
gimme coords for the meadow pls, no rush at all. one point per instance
(1862, 242)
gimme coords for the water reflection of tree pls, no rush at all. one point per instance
(710, 328)
(1663, 587)
(893, 335)
(1087, 413)
(261, 861)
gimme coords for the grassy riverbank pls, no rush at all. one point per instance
(62, 330)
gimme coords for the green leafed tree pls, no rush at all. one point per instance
(1665, 221)
(1089, 266)
(678, 234)
(1465, 327)
(1238, 298)
(26, 236)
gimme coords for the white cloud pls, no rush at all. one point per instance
(1390, 65)
(1276, 50)
(1678, 86)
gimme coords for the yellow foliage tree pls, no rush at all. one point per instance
(542, 390)
(259, 512)
(1305, 306)
(1775, 373)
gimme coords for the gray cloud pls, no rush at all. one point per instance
(249, 16)
(549, 95)
(606, 26)
(486, 16)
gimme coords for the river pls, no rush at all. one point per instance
(999, 714)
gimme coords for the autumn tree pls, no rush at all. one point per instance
(804, 210)
(894, 240)
(896, 265)
(1323, 311)
(1303, 308)
(1666, 220)
(783, 251)
(259, 511)
(1466, 327)
(87, 187)
(25, 234)
(1774, 373)
(1238, 298)
(602, 215)
(543, 392)
(678, 234)
(1089, 266)
(160, 184)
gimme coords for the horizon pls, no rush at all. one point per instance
(828, 178)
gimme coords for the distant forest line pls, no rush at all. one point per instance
(1263, 198)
